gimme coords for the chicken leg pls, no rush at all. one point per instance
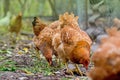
(68, 70)
(79, 71)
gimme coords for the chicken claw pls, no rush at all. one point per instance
(68, 70)
(79, 71)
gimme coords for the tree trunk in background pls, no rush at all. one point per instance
(42, 6)
(6, 6)
(23, 5)
(29, 3)
(52, 4)
(82, 13)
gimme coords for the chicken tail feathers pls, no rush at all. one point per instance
(33, 23)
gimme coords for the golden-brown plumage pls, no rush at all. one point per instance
(107, 57)
(67, 42)
(81, 54)
(43, 38)
(38, 26)
(66, 38)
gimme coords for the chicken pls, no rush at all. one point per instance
(71, 43)
(43, 38)
(106, 58)
(16, 24)
(38, 26)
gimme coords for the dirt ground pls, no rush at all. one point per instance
(18, 62)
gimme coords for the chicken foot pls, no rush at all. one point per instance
(79, 71)
(68, 70)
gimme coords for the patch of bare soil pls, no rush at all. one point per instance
(23, 54)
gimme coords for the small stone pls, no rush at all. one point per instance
(23, 78)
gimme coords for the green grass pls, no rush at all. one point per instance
(65, 78)
(41, 67)
(8, 65)
(6, 51)
(38, 66)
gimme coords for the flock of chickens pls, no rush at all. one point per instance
(64, 39)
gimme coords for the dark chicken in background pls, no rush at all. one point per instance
(16, 24)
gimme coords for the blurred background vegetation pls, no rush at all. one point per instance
(87, 10)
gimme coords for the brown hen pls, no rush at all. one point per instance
(71, 43)
(107, 58)
(43, 38)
